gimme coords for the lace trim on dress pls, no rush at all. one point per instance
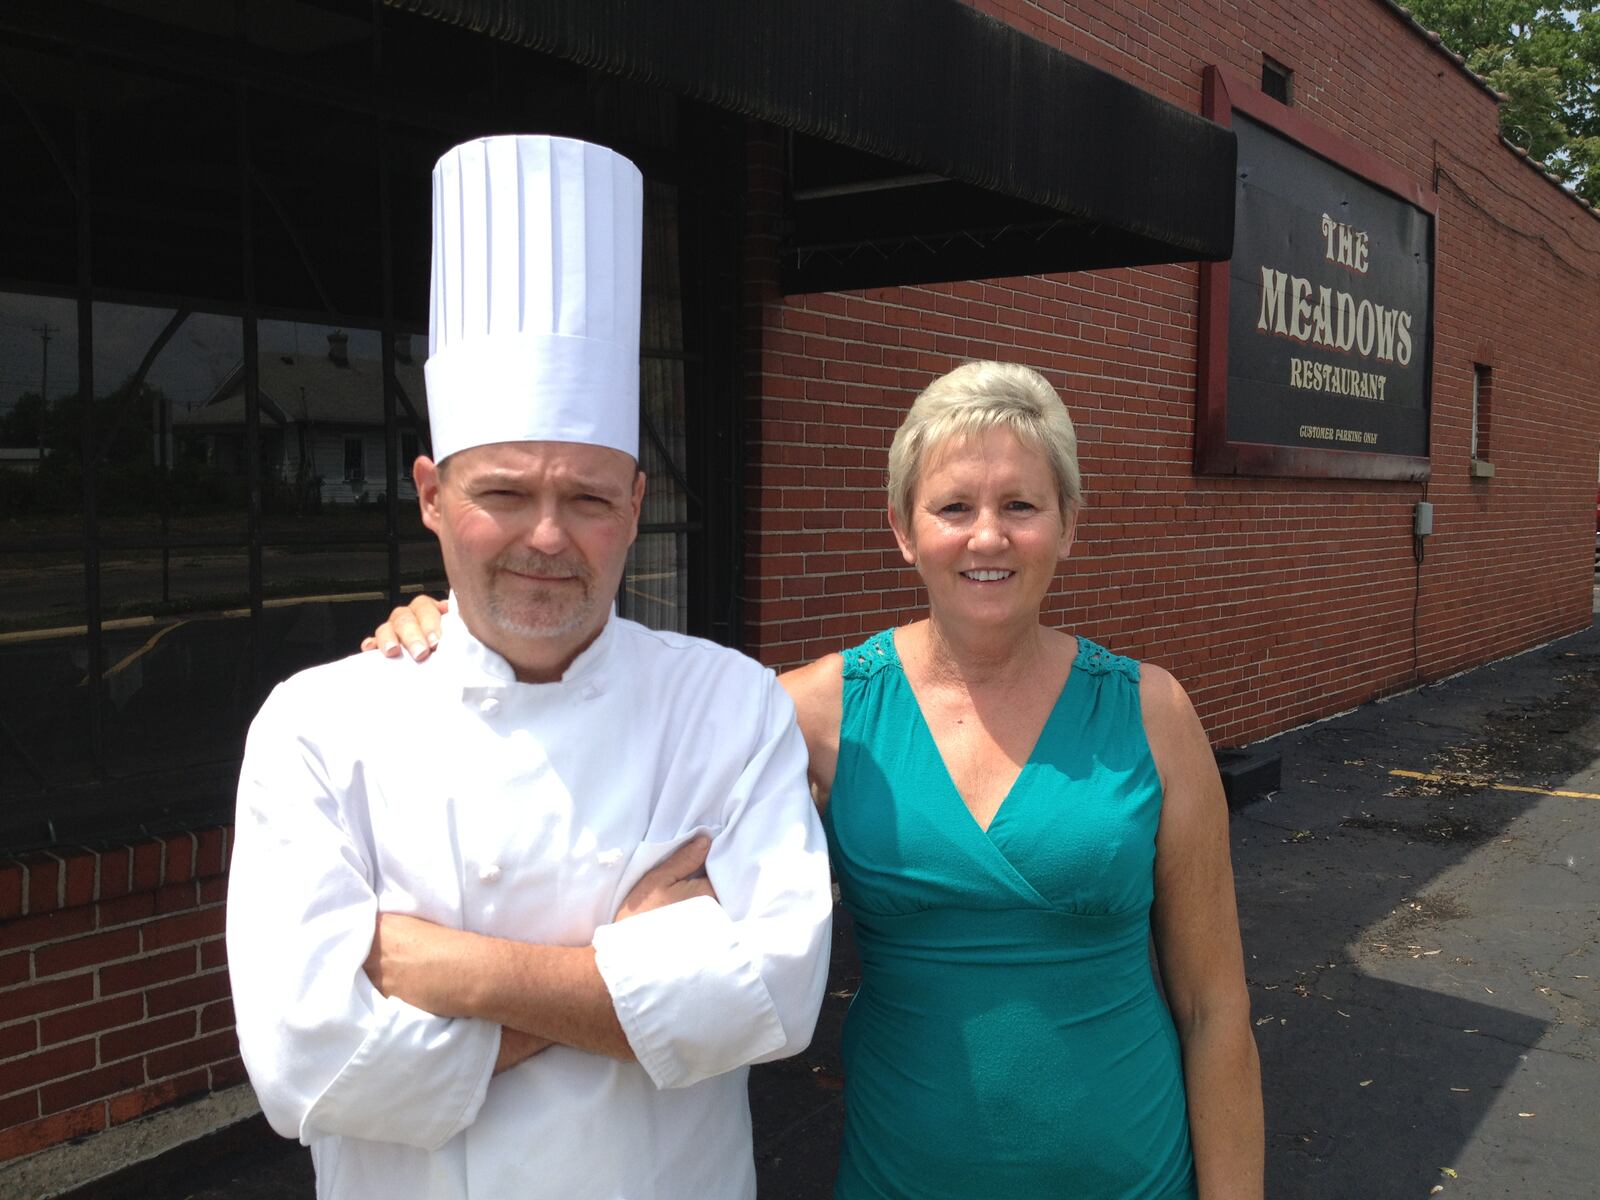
(872, 656)
(1097, 660)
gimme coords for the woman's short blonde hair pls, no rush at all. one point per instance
(971, 400)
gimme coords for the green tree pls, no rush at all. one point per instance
(1546, 59)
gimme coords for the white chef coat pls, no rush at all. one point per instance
(449, 791)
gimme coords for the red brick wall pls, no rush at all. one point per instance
(1275, 601)
(113, 986)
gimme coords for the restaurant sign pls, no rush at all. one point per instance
(1315, 349)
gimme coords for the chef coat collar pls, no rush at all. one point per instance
(475, 666)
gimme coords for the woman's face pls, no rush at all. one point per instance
(985, 530)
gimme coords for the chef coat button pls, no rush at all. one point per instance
(489, 872)
(590, 691)
(488, 706)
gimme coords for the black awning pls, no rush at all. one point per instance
(932, 142)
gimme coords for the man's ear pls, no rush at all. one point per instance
(425, 473)
(636, 504)
(640, 480)
(902, 535)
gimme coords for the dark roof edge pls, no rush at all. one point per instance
(1433, 38)
(1550, 176)
(1142, 164)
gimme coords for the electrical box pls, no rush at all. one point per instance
(1423, 524)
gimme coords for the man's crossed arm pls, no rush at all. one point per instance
(540, 995)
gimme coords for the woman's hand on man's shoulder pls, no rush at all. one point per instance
(414, 626)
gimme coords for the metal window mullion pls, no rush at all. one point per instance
(87, 431)
(252, 399)
(391, 384)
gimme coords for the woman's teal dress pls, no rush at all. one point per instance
(1008, 1039)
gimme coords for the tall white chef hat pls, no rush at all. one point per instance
(533, 324)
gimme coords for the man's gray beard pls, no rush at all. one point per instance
(575, 620)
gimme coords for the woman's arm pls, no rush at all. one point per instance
(416, 627)
(817, 690)
(1197, 941)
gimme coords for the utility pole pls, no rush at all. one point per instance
(44, 331)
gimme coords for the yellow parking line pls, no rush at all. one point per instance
(141, 651)
(60, 631)
(1493, 786)
(119, 623)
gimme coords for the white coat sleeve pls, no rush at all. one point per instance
(704, 986)
(326, 1052)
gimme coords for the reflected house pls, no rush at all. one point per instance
(321, 424)
(20, 460)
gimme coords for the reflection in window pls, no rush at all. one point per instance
(44, 657)
(158, 469)
(38, 219)
(355, 462)
(137, 680)
(655, 586)
(321, 405)
(176, 684)
(147, 181)
(172, 484)
(41, 473)
(309, 162)
(321, 601)
(422, 567)
(44, 703)
(661, 301)
(411, 417)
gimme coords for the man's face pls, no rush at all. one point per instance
(535, 536)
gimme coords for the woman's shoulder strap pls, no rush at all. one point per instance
(871, 656)
(1095, 659)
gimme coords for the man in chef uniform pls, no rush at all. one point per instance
(473, 949)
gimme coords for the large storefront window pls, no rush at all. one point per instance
(170, 528)
(654, 590)
(44, 656)
(213, 311)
